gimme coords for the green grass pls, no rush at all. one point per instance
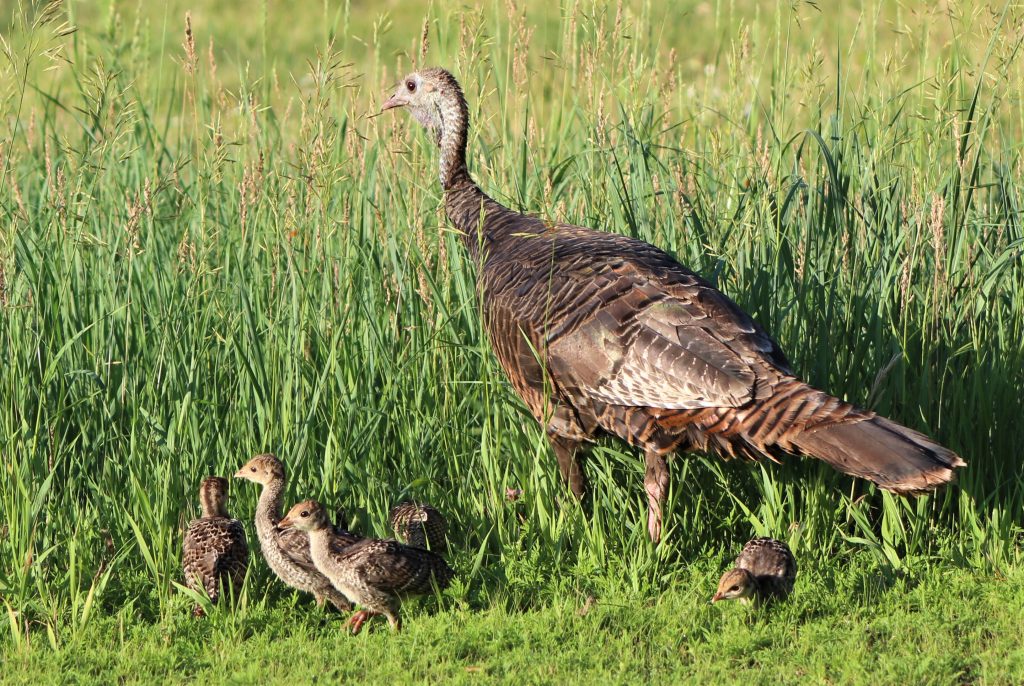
(840, 626)
(199, 263)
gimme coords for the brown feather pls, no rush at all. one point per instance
(765, 569)
(605, 334)
(286, 551)
(214, 554)
(420, 525)
(377, 574)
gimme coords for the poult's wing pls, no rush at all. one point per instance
(397, 569)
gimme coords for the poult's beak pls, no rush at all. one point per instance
(240, 473)
(284, 523)
(716, 598)
(394, 101)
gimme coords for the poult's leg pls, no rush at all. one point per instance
(567, 452)
(339, 601)
(656, 485)
(393, 619)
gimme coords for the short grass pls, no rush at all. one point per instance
(843, 624)
(212, 248)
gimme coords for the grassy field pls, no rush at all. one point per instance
(211, 247)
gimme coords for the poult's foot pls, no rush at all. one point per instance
(355, 622)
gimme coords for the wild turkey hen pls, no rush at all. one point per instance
(604, 334)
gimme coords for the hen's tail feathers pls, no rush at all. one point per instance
(894, 457)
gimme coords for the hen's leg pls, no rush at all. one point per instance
(567, 452)
(656, 485)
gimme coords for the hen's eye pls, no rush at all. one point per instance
(410, 85)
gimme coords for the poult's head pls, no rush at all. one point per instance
(736, 584)
(263, 469)
(309, 515)
(213, 496)
(434, 98)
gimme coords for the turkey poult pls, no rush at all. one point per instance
(605, 334)
(287, 550)
(764, 570)
(374, 573)
(420, 525)
(214, 554)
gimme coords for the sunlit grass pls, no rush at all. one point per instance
(211, 248)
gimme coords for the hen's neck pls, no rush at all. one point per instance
(452, 133)
(468, 207)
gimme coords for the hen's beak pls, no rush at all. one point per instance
(394, 101)
(284, 523)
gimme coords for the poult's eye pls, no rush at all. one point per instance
(252, 469)
(735, 588)
(303, 514)
(410, 85)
